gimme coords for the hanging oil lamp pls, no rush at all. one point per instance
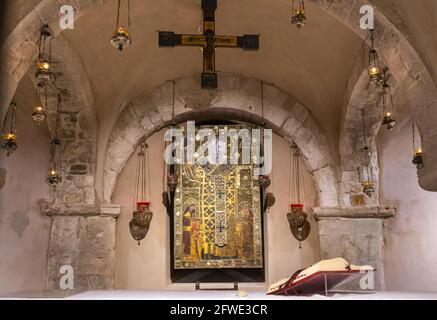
(298, 18)
(374, 68)
(43, 73)
(366, 167)
(389, 120)
(9, 137)
(54, 177)
(121, 37)
(172, 176)
(39, 112)
(297, 218)
(264, 181)
(142, 216)
(417, 151)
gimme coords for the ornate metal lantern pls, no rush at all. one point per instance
(389, 120)
(43, 73)
(297, 218)
(39, 112)
(417, 151)
(54, 177)
(366, 173)
(298, 18)
(264, 181)
(121, 37)
(9, 137)
(142, 216)
(374, 68)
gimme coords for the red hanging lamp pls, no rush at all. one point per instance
(142, 215)
(297, 218)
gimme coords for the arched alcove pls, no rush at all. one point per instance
(147, 267)
(237, 97)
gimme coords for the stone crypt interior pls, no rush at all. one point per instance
(309, 85)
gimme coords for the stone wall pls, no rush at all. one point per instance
(356, 234)
(86, 243)
(24, 233)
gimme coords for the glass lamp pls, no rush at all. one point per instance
(417, 158)
(121, 38)
(298, 18)
(374, 68)
(43, 73)
(54, 177)
(368, 188)
(389, 121)
(9, 142)
(39, 114)
(9, 137)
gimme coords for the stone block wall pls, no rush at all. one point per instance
(86, 243)
(356, 234)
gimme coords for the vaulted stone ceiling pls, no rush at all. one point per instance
(313, 64)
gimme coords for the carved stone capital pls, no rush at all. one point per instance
(362, 212)
(86, 210)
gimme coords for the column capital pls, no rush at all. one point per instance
(361, 212)
(85, 210)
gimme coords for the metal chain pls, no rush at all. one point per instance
(414, 135)
(118, 14)
(262, 103)
(128, 14)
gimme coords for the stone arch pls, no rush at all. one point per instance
(78, 137)
(403, 57)
(237, 97)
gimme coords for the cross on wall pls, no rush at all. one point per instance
(208, 41)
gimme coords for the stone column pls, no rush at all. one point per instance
(356, 234)
(82, 237)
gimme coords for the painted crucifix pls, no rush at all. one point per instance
(208, 41)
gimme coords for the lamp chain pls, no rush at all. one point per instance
(118, 14)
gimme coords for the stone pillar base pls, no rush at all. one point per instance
(355, 234)
(86, 242)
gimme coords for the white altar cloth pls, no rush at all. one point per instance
(212, 295)
(251, 295)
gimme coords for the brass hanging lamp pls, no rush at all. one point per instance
(298, 10)
(417, 150)
(297, 218)
(374, 67)
(142, 216)
(366, 172)
(54, 177)
(39, 111)
(9, 136)
(121, 37)
(389, 120)
(43, 72)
